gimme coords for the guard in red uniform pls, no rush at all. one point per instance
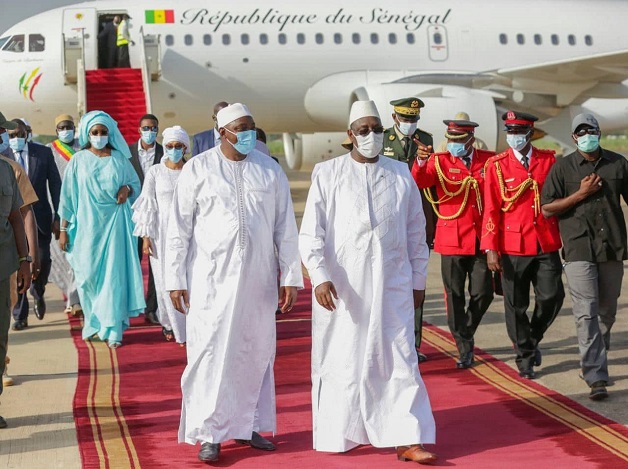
(520, 242)
(458, 175)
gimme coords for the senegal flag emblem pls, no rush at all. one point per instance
(159, 16)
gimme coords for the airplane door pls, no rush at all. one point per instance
(85, 21)
(437, 43)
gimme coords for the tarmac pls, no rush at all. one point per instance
(38, 408)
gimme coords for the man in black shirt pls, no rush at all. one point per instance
(583, 190)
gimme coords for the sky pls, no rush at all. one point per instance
(12, 12)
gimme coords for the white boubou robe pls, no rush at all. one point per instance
(231, 236)
(364, 230)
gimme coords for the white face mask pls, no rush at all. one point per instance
(517, 141)
(407, 128)
(370, 145)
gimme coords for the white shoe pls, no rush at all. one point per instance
(6, 379)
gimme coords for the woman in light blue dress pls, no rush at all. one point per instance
(98, 189)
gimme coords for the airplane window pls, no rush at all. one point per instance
(520, 39)
(588, 40)
(392, 38)
(571, 39)
(410, 38)
(263, 38)
(555, 40)
(338, 38)
(244, 39)
(355, 37)
(503, 39)
(226, 39)
(374, 38)
(187, 39)
(15, 44)
(538, 39)
(36, 43)
(319, 38)
(438, 38)
(282, 38)
(301, 38)
(207, 39)
(3, 41)
(169, 39)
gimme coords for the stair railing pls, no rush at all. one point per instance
(81, 87)
(145, 73)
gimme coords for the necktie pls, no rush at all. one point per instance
(524, 161)
(467, 161)
(406, 145)
(20, 159)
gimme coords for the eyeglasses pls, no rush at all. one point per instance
(148, 128)
(590, 131)
(364, 131)
(178, 146)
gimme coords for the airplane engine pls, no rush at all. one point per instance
(303, 151)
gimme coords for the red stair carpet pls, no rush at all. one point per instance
(127, 411)
(118, 92)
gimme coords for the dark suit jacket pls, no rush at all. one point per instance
(44, 176)
(135, 159)
(203, 141)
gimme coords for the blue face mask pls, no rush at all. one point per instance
(588, 143)
(149, 137)
(66, 136)
(517, 141)
(99, 141)
(407, 128)
(456, 149)
(17, 143)
(246, 141)
(5, 141)
(174, 154)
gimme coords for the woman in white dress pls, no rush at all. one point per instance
(150, 214)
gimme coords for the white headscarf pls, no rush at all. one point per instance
(176, 134)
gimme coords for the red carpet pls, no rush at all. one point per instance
(127, 411)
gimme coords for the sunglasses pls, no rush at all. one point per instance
(178, 146)
(590, 131)
(147, 128)
(364, 131)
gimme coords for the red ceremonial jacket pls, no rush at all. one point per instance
(520, 228)
(458, 236)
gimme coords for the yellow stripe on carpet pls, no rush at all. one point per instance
(604, 436)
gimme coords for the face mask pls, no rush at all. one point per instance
(246, 141)
(407, 128)
(517, 141)
(99, 141)
(588, 143)
(457, 149)
(174, 154)
(29, 137)
(5, 141)
(17, 143)
(370, 145)
(66, 136)
(149, 137)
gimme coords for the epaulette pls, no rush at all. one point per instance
(499, 156)
(484, 152)
(421, 130)
(546, 151)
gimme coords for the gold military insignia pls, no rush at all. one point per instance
(388, 149)
(490, 227)
(391, 138)
(414, 103)
(454, 170)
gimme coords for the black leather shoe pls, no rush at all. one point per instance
(598, 391)
(538, 357)
(209, 452)
(257, 441)
(465, 361)
(527, 373)
(3, 423)
(421, 356)
(150, 317)
(40, 309)
(20, 325)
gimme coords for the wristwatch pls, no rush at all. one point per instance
(25, 259)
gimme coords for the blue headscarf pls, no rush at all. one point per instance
(116, 140)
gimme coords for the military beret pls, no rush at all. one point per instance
(410, 107)
(519, 119)
(459, 128)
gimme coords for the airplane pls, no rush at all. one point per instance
(299, 66)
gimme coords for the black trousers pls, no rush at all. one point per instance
(38, 287)
(543, 272)
(464, 321)
(151, 295)
(124, 61)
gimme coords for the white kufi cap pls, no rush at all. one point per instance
(176, 134)
(361, 109)
(231, 113)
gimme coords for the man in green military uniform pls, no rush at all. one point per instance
(402, 142)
